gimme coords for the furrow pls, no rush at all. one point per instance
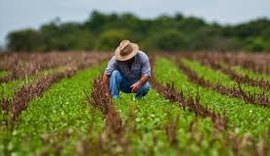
(190, 102)
(114, 132)
(244, 79)
(258, 99)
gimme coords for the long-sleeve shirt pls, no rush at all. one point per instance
(139, 67)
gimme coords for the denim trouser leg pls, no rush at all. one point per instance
(115, 81)
(118, 82)
(143, 90)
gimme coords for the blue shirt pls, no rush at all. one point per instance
(139, 67)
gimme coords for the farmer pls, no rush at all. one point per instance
(128, 70)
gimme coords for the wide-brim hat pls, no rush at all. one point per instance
(126, 50)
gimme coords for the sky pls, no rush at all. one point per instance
(20, 14)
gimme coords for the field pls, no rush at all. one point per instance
(199, 104)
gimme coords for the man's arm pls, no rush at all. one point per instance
(105, 82)
(146, 73)
(139, 83)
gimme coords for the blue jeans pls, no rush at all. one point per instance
(118, 82)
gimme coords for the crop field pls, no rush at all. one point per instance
(198, 104)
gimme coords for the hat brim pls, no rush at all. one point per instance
(119, 57)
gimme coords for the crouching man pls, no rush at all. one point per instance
(128, 71)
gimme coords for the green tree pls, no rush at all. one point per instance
(24, 40)
(256, 44)
(168, 40)
(110, 39)
(171, 33)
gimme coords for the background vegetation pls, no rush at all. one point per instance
(164, 33)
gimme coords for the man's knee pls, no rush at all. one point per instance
(115, 73)
(115, 78)
(145, 88)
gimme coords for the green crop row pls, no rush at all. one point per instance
(147, 134)
(243, 117)
(61, 122)
(59, 118)
(218, 77)
(257, 76)
(3, 73)
(7, 90)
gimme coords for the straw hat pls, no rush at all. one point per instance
(126, 50)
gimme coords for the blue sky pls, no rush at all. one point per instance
(18, 14)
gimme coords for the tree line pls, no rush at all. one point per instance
(103, 32)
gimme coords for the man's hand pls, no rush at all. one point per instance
(135, 86)
(139, 83)
(105, 82)
(107, 94)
